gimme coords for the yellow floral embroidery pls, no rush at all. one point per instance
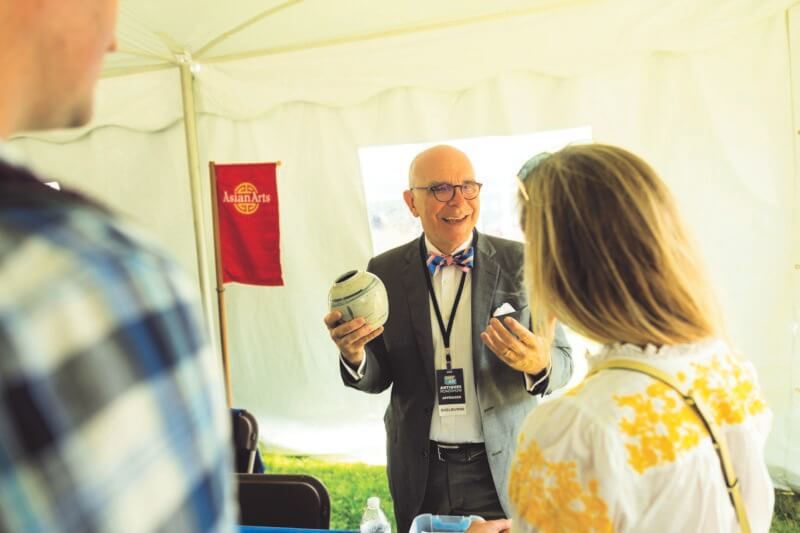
(727, 389)
(663, 425)
(550, 497)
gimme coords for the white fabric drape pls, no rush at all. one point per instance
(701, 90)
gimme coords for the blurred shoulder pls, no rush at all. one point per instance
(54, 239)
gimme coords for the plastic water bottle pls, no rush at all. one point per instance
(374, 521)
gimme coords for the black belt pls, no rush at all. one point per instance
(458, 453)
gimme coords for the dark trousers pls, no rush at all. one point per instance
(460, 483)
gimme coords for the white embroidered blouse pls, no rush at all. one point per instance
(623, 452)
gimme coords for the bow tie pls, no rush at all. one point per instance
(462, 260)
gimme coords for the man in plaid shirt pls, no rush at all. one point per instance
(112, 415)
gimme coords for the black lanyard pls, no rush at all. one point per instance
(446, 331)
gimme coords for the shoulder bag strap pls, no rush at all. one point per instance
(717, 438)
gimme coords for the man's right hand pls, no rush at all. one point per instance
(351, 337)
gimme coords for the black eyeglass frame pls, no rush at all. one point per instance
(441, 187)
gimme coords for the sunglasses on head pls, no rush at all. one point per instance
(527, 169)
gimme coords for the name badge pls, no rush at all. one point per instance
(450, 392)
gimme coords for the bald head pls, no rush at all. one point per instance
(448, 223)
(440, 163)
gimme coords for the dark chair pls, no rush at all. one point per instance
(283, 501)
(244, 430)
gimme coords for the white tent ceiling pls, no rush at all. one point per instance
(701, 88)
(151, 32)
(340, 53)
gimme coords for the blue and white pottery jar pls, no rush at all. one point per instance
(360, 294)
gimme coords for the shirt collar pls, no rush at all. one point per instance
(9, 155)
(433, 249)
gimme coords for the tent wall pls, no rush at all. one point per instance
(791, 470)
(712, 119)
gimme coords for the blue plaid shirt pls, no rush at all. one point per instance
(112, 416)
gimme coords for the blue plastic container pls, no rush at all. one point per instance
(438, 523)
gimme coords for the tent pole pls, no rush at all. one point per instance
(193, 158)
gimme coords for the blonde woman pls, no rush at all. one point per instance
(608, 255)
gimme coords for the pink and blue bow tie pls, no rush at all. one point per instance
(463, 260)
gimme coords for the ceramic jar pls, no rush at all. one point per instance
(360, 294)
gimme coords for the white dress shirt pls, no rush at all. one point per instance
(467, 427)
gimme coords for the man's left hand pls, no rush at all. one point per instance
(517, 346)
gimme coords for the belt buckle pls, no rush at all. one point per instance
(440, 447)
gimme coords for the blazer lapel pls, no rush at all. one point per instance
(485, 274)
(419, 308)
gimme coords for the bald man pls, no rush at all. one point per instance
(462, 381)
(112, 415)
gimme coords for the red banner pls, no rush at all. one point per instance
(249, 229)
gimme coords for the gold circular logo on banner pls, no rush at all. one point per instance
(249, 191)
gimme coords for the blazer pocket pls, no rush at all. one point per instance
(521, 315)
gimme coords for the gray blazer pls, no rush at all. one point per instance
(403, 357)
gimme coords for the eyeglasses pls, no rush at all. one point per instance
(444, 192)
(527, 169)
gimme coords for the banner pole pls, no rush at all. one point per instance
(223, 322)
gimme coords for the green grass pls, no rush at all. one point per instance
(787, 513)
(350, 484)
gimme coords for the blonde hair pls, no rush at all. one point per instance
(607, 252)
